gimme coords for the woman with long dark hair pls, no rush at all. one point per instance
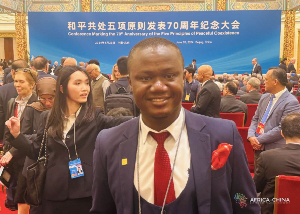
(73, 125)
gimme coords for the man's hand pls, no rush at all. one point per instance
(6, 159)
(13, 124)
(254, 143)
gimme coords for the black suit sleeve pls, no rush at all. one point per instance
(259, 69)
(204, 98)
(259, 176)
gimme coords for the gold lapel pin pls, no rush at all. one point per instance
(124, 161)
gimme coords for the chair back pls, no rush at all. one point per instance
(287, 190)
(187, 106)
(298, 97)
(262, 86)
(248, 148)
(237, 98)
(263, 90)
(238, 118)
(250, 113)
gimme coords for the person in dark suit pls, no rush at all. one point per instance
(280, 161)
(193, 65)
(40, 64)
(291, 66)
(209, 97)
(239, 92)
(282, 64)
(264, 131)
(253, 96)
(58, 68)
(72, 115)
(229, 104)
(256, 67)
(127, 171)
(6, 72)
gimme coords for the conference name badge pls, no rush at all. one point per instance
(75, 168)
(187, 97)
(260, 129)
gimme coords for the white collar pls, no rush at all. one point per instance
(174, 129)
(22, 100)
(99, 77)
(278, 94)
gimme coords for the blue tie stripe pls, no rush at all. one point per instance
(265, 117)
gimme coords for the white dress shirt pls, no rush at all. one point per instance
(147, 148)
(22, 102)
(68, 123)
(277, 95)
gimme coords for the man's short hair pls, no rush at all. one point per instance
(232, 87)
(235, 74)
(94, 61)
(194, 60)
(290, 125)
(190, 70)
(221, 79)
(119, 112)
(19, 63)
(39, 62)
(9, 62)
(153, 42)
(122, 65)
(246, 74)
(280, 75)
(254, 82)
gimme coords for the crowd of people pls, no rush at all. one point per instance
(129, 164)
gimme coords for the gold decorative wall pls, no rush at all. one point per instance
(221, 5)
(289, 35)
(20, 25)
(85, 5)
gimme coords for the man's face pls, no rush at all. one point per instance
(248, 87)
(156, 77)
(92, 72)
(269, 82)
(293, 61)
(187, 75)
(253, 61)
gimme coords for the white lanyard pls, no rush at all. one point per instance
(171, 176)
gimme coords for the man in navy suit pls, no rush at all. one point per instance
(129, 171)
(40, 64)
(265, 129)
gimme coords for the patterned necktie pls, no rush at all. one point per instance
(162, 171)
(265, 117)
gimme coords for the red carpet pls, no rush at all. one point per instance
(4, 210)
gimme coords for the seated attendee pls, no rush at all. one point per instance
(280, 161)
(229, 104)
(294, 78)
(245, 80)
(191, 87)
(70, 62)
(220, 83)
(262, 81)
(239, 92)
(122, 81)
(253, 96)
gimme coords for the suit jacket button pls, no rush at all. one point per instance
(68, 136)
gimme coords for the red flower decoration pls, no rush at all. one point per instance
(220, 156)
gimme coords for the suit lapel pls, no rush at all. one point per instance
(200, 148)
(128, 149)
(281, 99)
(32, 99)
